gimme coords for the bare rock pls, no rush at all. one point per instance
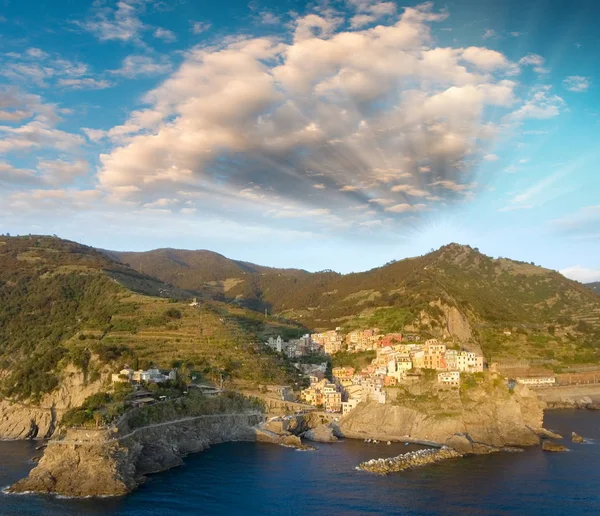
(321, 434)
(460, 443)
(550, 446)
(576, 438)
(548, 434)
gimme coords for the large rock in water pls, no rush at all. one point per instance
(553, 447)
(321, 434)
(483, 419)
(576, 438)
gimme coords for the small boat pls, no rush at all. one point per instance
(405, 444)
(389, 442)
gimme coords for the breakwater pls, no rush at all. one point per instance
(414, 459)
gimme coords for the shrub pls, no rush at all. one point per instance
(173, 313)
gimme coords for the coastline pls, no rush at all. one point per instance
(115, 461)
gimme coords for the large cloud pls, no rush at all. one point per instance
(320, 123)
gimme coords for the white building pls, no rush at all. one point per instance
(449, 378)
(349, 406)
(538, 380)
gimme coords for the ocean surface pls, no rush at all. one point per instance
(262, 479)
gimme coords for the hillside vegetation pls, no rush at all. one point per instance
(63, 303)
(455, 292)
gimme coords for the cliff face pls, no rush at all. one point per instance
(28, 421)
(479, 422)
(105, 463)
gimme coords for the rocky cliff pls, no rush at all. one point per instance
(24, 420)
(110, 463)
(481, 419)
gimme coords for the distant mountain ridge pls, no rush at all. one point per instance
(594, 286)
(454, 292)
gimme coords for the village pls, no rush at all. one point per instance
(399, 359)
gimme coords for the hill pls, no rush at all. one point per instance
(594, 286)
(208, 272)
(509, 309)
(65, 305)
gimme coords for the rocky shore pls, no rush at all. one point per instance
(409, 460)
(485, 420)
(107, 463)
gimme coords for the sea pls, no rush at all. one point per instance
(263, 479)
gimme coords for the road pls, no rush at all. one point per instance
(156, 425)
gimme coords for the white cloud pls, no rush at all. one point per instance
(53, 200)
(487, 59)
(577, 83)
(541, 105)
(60, 172)
(536, 61)
(453, 185)
(136, 65)
(406, 208)
(377, 7)
(121, 23)
(360, 20)
(164, 34)
(490, 157)
(582, 274)
(200, 27)
(10, 175)
(36, 134)
(85, 83)
(383, 202)
(488, 33)
(410, 190)
(277, 113)
(34, 66)
(269, 18)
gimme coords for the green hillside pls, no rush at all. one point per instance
(508, 308)
(594, 286)
(63, 303)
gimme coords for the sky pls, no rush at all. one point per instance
(321, 135)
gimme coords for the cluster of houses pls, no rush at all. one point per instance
(128, 375)
(334, 341)
(397, 361)
(294, 348)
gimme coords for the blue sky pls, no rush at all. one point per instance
(327, 134)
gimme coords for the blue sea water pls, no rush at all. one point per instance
(262, 479)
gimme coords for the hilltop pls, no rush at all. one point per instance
(508, 309)
(66, 307)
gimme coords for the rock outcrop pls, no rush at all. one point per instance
(28, 421)
(321, 434)
(550, 446)
(108, 463)
(483, 420)
(576, 438)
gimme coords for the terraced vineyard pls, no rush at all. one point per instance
(208, 338)
(63, 303)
